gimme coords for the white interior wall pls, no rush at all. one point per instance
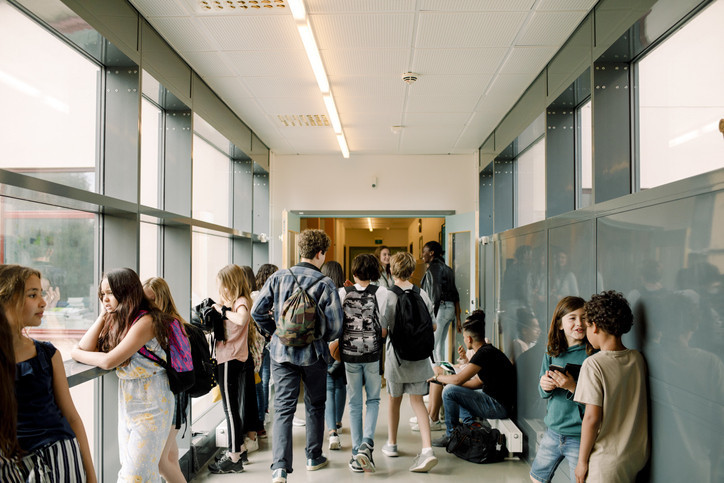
(405, 183)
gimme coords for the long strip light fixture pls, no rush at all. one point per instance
(315, 59)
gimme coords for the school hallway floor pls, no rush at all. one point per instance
(449, 468)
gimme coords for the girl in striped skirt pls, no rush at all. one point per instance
(50, 433)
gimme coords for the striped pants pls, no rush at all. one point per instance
(59, 462)
(238, 395)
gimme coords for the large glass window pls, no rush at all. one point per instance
(150, 240)
(49, 96)
(151, 136)
(584, 154)
(211, 192)
(531, 184)
(681, 101)
(61, 244)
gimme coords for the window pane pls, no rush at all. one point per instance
(51, 91)
(151, 129)
(531, 184)
(150, 239)
(585, 155)
(209, 254)
(211, 170)
(681, 102)
(62, 245)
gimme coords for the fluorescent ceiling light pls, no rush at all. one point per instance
(333, 115)
(343, 145)
(369, 223)
(310, 45)
(297, 8)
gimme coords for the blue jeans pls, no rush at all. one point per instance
(336, 396)
(469, 403)
(363, 375)
(262, 389)
(553, 448)
(287, 377)
(445, 315)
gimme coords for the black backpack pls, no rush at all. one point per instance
(478, 443)
(412, 337)
(362, 336)
(204, 363)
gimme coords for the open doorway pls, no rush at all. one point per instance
(352, 236)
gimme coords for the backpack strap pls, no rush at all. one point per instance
(397, 290)
(371, 288)
(350, 289)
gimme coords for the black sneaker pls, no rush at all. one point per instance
(354, 466)
(225, 465)
(244, 457)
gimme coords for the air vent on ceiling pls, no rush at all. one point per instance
(303, 120)
(241, 5)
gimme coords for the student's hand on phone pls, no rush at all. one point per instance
(546, 383)
(348, 283)
(563, 380)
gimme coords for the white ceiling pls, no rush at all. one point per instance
(474, 59)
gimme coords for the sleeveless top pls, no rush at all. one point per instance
(40, 421)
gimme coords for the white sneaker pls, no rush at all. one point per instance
(413, 420)
(251, 444)
(434, 426)
(298, 422)
(426, 398)
(423, 463)
(334, 442)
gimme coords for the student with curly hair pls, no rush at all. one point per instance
(612, 385)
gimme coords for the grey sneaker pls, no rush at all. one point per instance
(225, 465)
(279, 475)
(313, 464)
(423, 463)
(434, 426)
(354, 466)
(364, 458)
(390, 450)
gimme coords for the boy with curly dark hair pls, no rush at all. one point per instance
(612, 385)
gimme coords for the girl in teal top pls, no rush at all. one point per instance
(566, 345)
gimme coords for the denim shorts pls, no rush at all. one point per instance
(553, 448)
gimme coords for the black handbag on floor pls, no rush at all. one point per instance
(478, 443)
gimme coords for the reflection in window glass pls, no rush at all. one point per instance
(61, 244)
(150, 239)
(531, 184)
(209, 254)
(211, 176)
(52, 92)
(151, 129)
(585, 155)
(82, 395)
(681, 102)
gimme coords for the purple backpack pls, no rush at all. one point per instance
(179, 363)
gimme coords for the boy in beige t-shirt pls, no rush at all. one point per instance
(612, 385)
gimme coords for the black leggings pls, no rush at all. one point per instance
(238, 394)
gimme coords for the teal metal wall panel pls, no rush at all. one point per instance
(158, 58)
(572, 60)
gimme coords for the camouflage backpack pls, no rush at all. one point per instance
(299, 322)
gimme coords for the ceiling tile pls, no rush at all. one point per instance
(229, 87)
(183, 33)
(528, 60)
(467, 30)
(442, 104)
(381, 31)
(457, 61)
(210, 63)
(583, 5)
(347, 6)
(504, 93)
(282, 86)
(369, 104)
(161, 8)
(365, 62)
(269, 62)
(476, 5)
(366, 86)
(253, 33)
(550, 28)
(292, 105)
(436, 119)
(449, 85)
